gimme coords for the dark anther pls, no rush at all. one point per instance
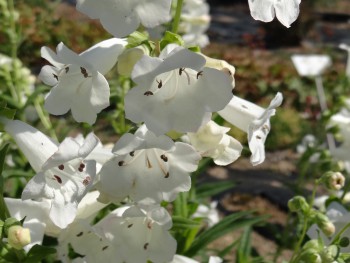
(67, 69)
(200, 73)
(160, 84)
(80, 234)
(164, 158)
(148, 93)
(82, 165)
(121, 163)
(58, 179)
(258, 137)
(132, 153)
(87, 180)
(181, 70)
(84, 72)
(80, 169)
(145, 246)
(149, 225)
(55, 76)
(244, 106)
(167, 175)
(104, 248)
(130, 225)
(61, 167)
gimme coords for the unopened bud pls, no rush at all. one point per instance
(344, 242)
(325, 224)
(330, 254)
(310, 256)
(128, 59)
(312, 244)
(298, 203)
(333, 180)
(18, 237)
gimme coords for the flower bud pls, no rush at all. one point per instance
(311, 256)
(312, 244)
(18, 237)
(298, 203)
(344, 242)
(333, 180)
(325, 224)
(128, 59)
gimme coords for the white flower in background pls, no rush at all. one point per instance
(141, 234)
(63, 175)
(212, 141)
(209, 212)
(311, 65)
(78, 81)
(121, 18)
(347, 49)
(254, 120)
(147, 168)
(340, 217)
(286, 11)
(183, 259)
(308, 141)
(128, 59)
(195, 20)
(175, 92)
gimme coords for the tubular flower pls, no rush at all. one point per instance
(121, 18)
(140, 234)
(286, 11)
(311, 65)
(212, 141)
(78, 81)
(147, 168)
(254, 120)
(175, 92)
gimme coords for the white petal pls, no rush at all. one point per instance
(104, 55)
(153, 13)
(48, 75)
(230, 153)
(62, 213)
(35, 188)
(287, 11)
(262, 9)
(311, 65)
(182, 259)
(89, 145)
(36, 146)
(89, 206)
(51, 57)
(100, 93)
(70, 57)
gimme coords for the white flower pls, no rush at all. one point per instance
(311, 65)
(286, 11)
(183, 259)
(128, 59)
(121, 17)
(78, 81)
(347, 49)
(195, 20)
(140, 234)
(221, 65)
(175, 92)
(208, 212)
(254, 120)
(212, 141)
(148, 168)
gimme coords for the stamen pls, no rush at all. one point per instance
(121, 163)
(149, 225)
(58, 179)
(61, 167)
(200, 73)
(87, 180)
(84, 72)
(188, 77)
(55, 76)
(132, 153)
(148, 93)
(130, 225)
(82, 165)
(67, 69)
(145, 246)
(160, 84)
(167, 175)
(104, 248)
(181, 70)
(81, 169)
(80, 234)
(258, 137)
(164, 158)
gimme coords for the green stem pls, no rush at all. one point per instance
(177, 16)
(45, 120)
(337, 237)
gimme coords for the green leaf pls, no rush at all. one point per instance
(226, 225)
(244, 248)
(182, 223)
(171, 38)
(196, 49)
(37, 253)
(213, 188)
(4, 213)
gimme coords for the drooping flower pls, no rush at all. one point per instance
(286, 11)
(175, 92)
(254, 120)
(311, 65)
(77, 80)
(63, 173)
(121, 18)
(141, 234)
(195, 20)
(147, 168)
(212, 141)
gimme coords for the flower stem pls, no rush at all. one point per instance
(177, 16)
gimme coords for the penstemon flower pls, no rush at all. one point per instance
(121, 17)
(147, 168)
(176, 91)
(311, 65)
(140, 234)
(63, 175)
(212, 141)
(254, 120)
(286, 11)
(78, 81)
